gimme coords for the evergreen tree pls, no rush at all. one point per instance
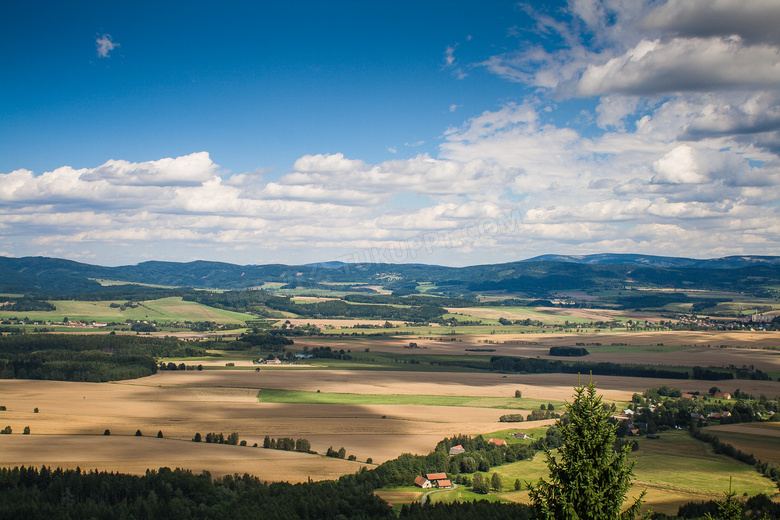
(588, 480)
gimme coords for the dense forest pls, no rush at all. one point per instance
(337, 308)
(88, 358)
(177, 494)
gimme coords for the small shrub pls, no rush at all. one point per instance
(3, 408)
(369, 460)
(197, 438)
(159, 434)
(242, 443)
(35, 410)
(26, 430)
(351, 457)
(138, 433)
(254, 445)
(6, 431)
(518, 394)
(107, 432)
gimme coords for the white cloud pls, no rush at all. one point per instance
(674, 150)
(189, 170)
(683, 64)
(105, 45)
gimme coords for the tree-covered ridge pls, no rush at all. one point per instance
(88, 358)
(177, 494)
(50, 276)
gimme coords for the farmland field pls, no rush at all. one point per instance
(760, 439)
(388, 399)
(297, 396)
(162, 310)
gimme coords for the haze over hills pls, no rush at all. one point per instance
(535, 276)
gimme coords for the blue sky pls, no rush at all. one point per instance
(258, 132)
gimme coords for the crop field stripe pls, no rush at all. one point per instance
(304, 397)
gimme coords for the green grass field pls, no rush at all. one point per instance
(676, 463)
(162, 310)
(679, 462)
(302, 397)
(461, 494)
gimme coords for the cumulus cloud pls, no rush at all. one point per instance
(188, 170)
(755, 21)
(683, 64)
(105, 45)
(673, 147)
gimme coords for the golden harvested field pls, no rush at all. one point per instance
(68, 429)
(182, 403)
(136, 454)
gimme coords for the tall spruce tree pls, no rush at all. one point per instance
(588, 479)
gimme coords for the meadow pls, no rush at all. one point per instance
(297, 396)
(172, 309)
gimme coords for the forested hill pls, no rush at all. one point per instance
(52, 276)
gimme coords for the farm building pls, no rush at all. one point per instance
(422, 482)
(439, 480)
(456, 449)
(722, 395)
(497, 442)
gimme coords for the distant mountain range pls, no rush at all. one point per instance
(536, 276)
(729, 262)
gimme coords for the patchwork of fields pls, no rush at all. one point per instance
(387, 400)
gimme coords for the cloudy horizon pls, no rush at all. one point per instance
(646, 127)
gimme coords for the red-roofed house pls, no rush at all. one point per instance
(433, 477)
(422, 482)
(443, 484)
(497, 442)
(722, 395)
